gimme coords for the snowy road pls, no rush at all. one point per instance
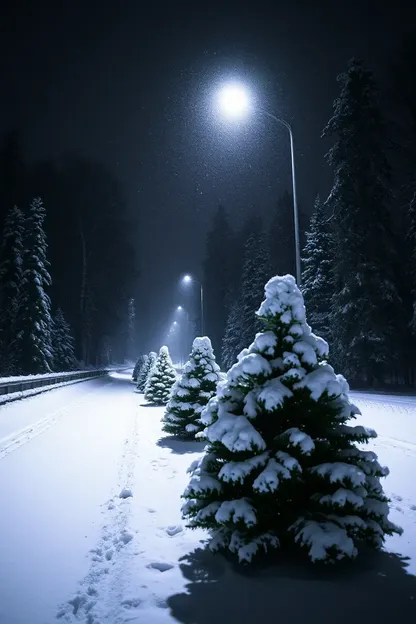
(55, 472)
(91, 530)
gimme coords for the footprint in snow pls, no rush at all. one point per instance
(125, 493)
(159, 463)
(162, 566)
(174, 530)
(152, 511)
(109, 554)
(131, 603)
(96, 551)
(79, 602)
(124, 538)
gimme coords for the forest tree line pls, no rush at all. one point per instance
(66, 264)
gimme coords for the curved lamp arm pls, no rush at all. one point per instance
(295, 199)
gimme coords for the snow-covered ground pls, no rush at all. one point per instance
(91, 530)
(394, 419)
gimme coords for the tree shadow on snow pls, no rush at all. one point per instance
(375, 588)
(149, 405)
(181, 446)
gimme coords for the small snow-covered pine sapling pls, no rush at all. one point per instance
(192, 391)
(143, 374)
(282, 467)
(161, 379)
(137, 367)
(63, 344)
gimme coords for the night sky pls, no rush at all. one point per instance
(132, 84)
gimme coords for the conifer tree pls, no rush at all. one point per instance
(161, 379)
(282, 467)
(218, 276)
(256, 271)
(63, 345)
(35, 322)
(11, 272)
(364, 305)
(192, 391)
(242, 323)
(138, 366)
(131, 330)
(232, 337)
(148, 362)
(317, 262)
(411, 260)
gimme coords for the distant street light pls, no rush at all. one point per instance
(189, 279)
(183, 313)
(234, 102)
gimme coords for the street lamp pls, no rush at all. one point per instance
(189, 279)
(234, 102)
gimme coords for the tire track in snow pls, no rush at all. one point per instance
(408, 448)
(386, 399)
(15, 440)
(99, 598)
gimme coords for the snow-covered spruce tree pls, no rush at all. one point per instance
(138, 366)
(192, 391)
(218, 276)
(411, 261)
(143, 375)
(282, 467)
(232, 337)
(242, 323)
(365, 301)
(11, 272)
(161, 379)
(148, 362)
(63, 346)
(405, 332)
(131, 329)
(35, 322)
(256, 271)
(317, 262)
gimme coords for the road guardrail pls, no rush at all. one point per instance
(20, 385)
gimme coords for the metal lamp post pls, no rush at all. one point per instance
(188, 279)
